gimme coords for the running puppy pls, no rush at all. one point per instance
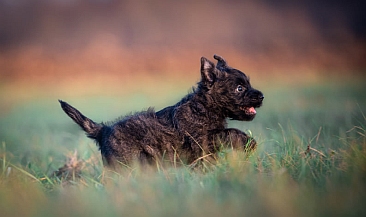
(183, 132)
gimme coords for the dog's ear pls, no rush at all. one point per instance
(208, 73)
(221, 63)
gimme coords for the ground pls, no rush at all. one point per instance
(311, 157)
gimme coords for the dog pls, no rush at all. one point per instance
(186, 132)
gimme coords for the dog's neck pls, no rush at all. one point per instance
(213, 111)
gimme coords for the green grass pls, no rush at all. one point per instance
(311, 161)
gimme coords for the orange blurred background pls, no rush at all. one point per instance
(77, 46)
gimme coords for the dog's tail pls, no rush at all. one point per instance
(91, 128)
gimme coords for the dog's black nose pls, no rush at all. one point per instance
(261, 97)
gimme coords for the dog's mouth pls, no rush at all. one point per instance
(248, 110)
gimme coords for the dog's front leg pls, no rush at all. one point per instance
(236, 139)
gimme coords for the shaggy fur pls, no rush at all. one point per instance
(186, 131)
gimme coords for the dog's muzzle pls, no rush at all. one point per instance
(256, 100)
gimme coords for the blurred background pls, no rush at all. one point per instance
(56, 48)
(112, 57)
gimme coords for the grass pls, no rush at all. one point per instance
(311, 161)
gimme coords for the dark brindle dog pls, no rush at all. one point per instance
(186, 131)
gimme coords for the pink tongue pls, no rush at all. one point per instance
(251, 110)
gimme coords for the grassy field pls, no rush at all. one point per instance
(311, 160)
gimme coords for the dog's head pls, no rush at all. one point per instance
(229, 89)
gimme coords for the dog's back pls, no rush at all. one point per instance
(138, 137)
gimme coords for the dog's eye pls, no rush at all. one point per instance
(239, 88)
